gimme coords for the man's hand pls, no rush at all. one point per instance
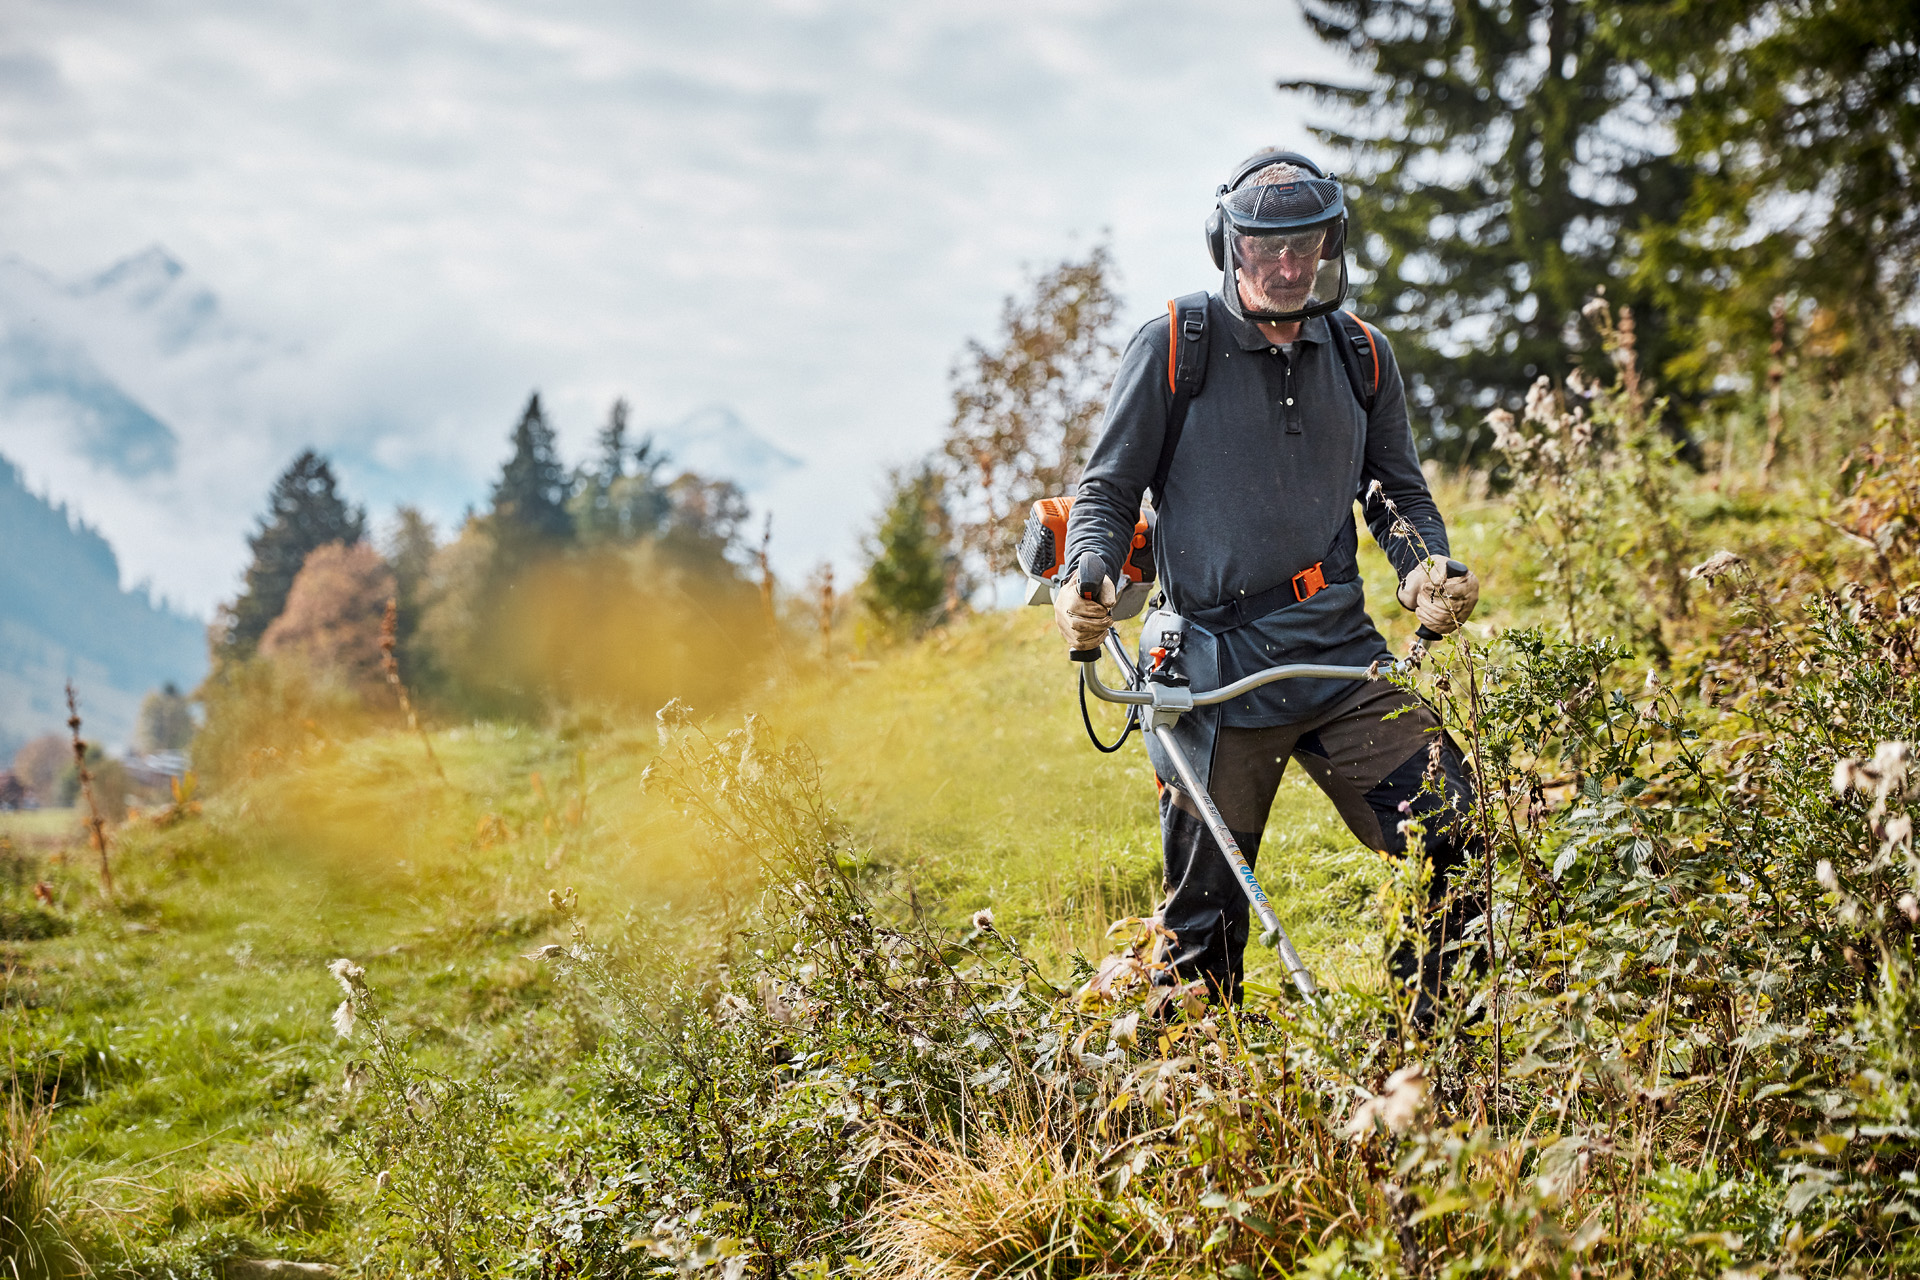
(1441, 603)
(1083, 622)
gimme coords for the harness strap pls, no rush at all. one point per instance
(1241, 610)
(1187, 343)
(1359, 355)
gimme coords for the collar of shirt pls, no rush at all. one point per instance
(1248, 334)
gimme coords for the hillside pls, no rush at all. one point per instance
(609, 957)
(64, 614)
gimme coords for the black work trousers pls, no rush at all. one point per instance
(1381, 756)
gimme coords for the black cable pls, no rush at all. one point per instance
(1133, 722)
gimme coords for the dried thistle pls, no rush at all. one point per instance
(96, 825)
(1396, 1106)
(1717, 565)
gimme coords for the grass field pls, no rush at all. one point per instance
(182, 1028)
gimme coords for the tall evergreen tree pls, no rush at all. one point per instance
(304, 512)
(1802, 120)
(530, 498)
(1505, 152)
(909, 556)
(603, 506)
(613, 443)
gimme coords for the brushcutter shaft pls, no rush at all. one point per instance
(1242, 869)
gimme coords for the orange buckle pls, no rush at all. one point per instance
(1309, 583)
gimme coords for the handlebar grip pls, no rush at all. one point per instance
(1425, 633)
(1093, 572)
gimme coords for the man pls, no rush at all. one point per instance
(1255, 547)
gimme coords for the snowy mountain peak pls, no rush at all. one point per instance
(714, 441)
(141, 279)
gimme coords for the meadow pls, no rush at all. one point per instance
(823, 982)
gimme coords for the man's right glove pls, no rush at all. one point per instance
(1083, 622)
(1441, 603)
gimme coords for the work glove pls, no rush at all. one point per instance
(1083, 622)
(1441, 603)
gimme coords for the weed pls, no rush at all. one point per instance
(281, 1189)
(34, 1239)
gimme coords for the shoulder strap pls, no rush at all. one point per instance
(1359, 348)
(1187, 342)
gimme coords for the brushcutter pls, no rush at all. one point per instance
(1157, 694)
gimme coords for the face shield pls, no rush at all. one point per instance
(1286, 248)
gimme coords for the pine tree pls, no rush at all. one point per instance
(613, 443)
(908, 556)
(1803, 124)
(166, 720)
(304, 512)
(411, 545)
(609, 505)
(529, 500)
(1503, 165)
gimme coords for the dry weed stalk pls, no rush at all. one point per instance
(96, 825)
(389, 638)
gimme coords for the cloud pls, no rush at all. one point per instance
(417, 212)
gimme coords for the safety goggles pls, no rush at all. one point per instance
(1270, 247)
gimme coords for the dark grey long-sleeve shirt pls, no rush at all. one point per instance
(1274, 452)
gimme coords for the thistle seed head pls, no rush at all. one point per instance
(344, 1020)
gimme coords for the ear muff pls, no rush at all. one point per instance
(1217, 235)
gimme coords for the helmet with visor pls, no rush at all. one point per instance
(1278, 233)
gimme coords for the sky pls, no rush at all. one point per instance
(398, 219)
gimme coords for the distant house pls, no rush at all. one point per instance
(152, 776)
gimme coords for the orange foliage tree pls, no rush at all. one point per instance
(331, 625)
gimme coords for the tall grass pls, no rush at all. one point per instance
(34, 1239)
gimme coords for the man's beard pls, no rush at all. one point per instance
(1257, 295)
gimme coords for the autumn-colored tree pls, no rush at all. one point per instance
(703, 518)
(331, 625)
(304, 511)
(40, 763)
(1025, 410)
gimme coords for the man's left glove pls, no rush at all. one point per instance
(1441, 603)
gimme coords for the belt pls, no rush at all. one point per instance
(1241, 610)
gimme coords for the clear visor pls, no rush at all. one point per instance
(1283, 274)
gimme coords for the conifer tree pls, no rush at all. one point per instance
(166, 720)
(304, 512)
(1503, 156)
(909, 556)
(613, 443)
(529, 500)
(1802, 122)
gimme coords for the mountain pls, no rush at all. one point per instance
(48, 376)
(63, 614)
(715, 442)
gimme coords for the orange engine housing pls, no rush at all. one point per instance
(1044, 541)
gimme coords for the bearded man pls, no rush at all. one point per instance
(1257, 416)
